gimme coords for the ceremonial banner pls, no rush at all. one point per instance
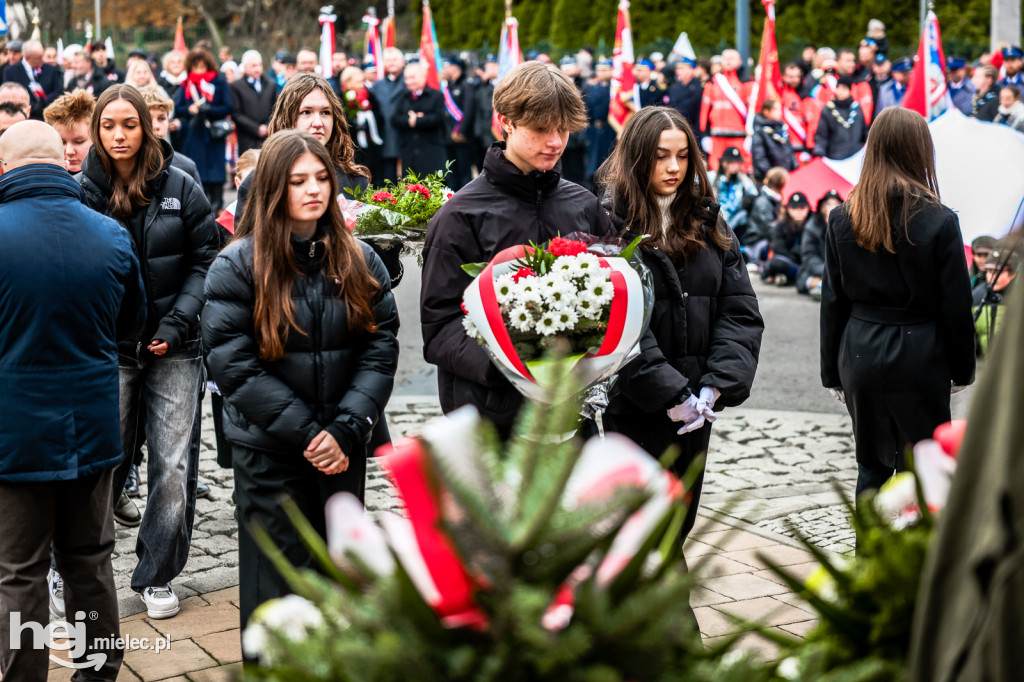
(430, 54)
(389, 31)
(625, 97)
(769, 83)
(509, 57)
(927, 93)
(179, 39)
(327, 19)
(373, 46)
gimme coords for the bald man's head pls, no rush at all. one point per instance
(28, 143)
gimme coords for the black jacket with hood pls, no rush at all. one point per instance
(175, 238)
(501, 207)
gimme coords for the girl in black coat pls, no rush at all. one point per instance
(769, 145)
(705, 334)
(787, 234)
(812, 246)
(301, 325)
(128, 175)
(896, 329)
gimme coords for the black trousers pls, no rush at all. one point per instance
(886, 425)
(261, 479)
(75, 517)
(389, 171)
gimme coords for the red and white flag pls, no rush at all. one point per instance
(769, 82)
(927, 93)
(625, 96)
(509, 57)
(326, 41)
(373, 45)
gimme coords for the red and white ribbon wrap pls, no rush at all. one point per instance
(326, 19)
(625, 323)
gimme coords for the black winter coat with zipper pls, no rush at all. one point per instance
(500, 208)
(329, 377)
(175, 238)
(705, 331)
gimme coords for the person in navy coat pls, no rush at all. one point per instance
(202, 102)
(43, 82)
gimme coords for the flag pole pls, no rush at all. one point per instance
(508, 9)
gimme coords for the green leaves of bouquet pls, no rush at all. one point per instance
(402, 208)
(556, 594)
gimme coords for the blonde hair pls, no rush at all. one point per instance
(70, 109)
(133, 68)
(246, 164)
(541, 97)
(155, 99)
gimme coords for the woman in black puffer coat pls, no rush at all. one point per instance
(128, 176)
(702, 346)
(300, 324)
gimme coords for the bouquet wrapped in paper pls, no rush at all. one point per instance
(396, 213)
(586, 298)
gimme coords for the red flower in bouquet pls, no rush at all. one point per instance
(560, 246)
(418, 189)
(523, 273)
(383, 196)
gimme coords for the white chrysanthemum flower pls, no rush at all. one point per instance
(471, 330)
(567, 319)
(527, 292)
(587, 307)
(561, 297)
(504, 289)
(255, 641)
(548, 323)
(521, 319)
(600, 289)
(292, 616)
(587, 262)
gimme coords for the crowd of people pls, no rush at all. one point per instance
(292, 319)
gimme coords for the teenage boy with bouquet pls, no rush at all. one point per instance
(519, 197)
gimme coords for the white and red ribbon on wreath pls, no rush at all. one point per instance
(625, 323)
(326, 19)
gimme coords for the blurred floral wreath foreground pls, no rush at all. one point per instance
(545, 558)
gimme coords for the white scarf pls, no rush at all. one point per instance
(665, 205)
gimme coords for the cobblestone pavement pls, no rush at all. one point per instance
(765, 470)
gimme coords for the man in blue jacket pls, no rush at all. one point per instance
(69, 289)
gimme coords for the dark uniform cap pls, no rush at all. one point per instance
(1013, 52)
(880, 58)
(288, 59)
(846, 80)
(604, 62)
(567, 60)
(904, 64)
(139, 52)
(797, 200)
(983, 242)
(831, 194)
(999, 256)
(956, 62)
(731, 154)
(645, 62)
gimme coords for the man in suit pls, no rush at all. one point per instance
(386, 92)
(419, 119)
(87, 76)
(459, 134)
(44, 82)
(686, 93)
(253, 97)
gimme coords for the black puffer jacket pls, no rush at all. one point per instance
(175, 238)
(769, 148)
(329, 378)
(502, 207)
(705, 331)
(812, 252)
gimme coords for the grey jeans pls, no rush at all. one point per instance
(168, 387)
(75, 517)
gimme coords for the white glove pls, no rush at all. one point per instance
(838, 394)
(709, 395)
(687, 411)
(955, 389)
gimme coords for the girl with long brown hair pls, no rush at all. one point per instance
(896, 330)
(127, 175)
(705, 334)
(301, 325)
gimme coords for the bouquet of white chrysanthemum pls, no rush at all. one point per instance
(586, 299)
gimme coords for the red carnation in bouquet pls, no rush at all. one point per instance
(560, 246)
(384, 196)
(419, 189)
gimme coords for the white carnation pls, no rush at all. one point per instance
(471, 330)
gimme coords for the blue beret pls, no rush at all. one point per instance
(604, 61)
(645, 62)
(880, 58)
(1013, 52)
(956, 62)
(687, 60)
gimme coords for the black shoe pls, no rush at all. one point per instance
(131, 486)
(202, 490)
(126, 513)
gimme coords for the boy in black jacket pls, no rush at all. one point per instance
(519, 197)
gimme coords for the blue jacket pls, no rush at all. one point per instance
(69, 288)
(196, 142)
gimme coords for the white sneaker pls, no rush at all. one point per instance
(56, 588)
(160, 601)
